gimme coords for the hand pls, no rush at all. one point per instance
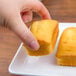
(14, 14)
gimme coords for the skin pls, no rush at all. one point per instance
(15, 13)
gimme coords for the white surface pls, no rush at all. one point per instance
(46, 65)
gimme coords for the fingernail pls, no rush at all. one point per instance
(34, 45)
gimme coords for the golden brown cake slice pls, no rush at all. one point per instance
(66, 53)
(46, 32)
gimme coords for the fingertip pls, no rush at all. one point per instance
(47, 16)
(34, 45)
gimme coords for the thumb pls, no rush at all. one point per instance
(17, 25)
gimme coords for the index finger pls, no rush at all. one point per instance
(38, 7)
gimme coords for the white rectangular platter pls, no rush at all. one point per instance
(22, 64)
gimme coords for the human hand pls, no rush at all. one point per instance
(14, 14)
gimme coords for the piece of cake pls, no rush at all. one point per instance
(46, 33)
(66, 52)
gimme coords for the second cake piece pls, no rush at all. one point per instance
(66, 53)
(46, 33)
